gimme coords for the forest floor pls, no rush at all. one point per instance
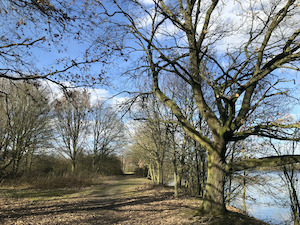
(116, 200)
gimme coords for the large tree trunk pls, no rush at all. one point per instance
(213, 200)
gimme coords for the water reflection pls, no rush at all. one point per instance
(267, 198)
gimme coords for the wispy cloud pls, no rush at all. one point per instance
(98, 94)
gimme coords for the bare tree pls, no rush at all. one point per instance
(25, 123)
(189, 158)
(108, 133)
(72, 120)
(233, 82)
(151, 138)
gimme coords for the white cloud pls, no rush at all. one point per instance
(146, 2)
(117, 101)
(98, 95)
(55, 90)
(95, 93)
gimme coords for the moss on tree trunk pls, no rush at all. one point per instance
(213, 200)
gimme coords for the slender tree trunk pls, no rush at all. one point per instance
(180, 179)
(175, 174)
(149, 176)
(290, 180)
(203, 176)
(189, 180)
(175, 165)
(160, 173)
(230, 175)
(175, 184)
(296, 221)
(229, 190)
(153, 173)
(198, 171)
(16, 163)
(73, 166)
(14, 166)
(94, 163)
(213, 200)
(29, 159)
(244, 191)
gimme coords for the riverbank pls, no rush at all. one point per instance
(118, 200)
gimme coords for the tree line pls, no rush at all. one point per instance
(33, 126)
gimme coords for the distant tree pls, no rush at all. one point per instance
(108, 133)
(151, 139)
(188, 157)
(233, 82)
(25, 123)
(72, 121)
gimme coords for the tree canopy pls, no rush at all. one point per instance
(233, 55)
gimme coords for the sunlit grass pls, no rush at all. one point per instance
(68, 186)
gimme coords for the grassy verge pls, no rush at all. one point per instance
(67, 186)
(52, 181)
(48, 187)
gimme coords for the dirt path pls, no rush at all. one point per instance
(123, 201)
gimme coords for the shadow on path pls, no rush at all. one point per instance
(125, 199)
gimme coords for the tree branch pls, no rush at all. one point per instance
(271, 161)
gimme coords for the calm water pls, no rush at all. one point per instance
(267, 200)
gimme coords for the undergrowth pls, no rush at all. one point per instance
(52, 181)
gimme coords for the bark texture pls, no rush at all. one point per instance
(213, 201)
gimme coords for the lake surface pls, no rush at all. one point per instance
(267, 196)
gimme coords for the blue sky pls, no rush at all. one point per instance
(46, 56)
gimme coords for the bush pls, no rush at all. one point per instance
(109, 166)
(141, 172)
(50, 171)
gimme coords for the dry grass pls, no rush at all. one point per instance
(118, 200)
(50, 181)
